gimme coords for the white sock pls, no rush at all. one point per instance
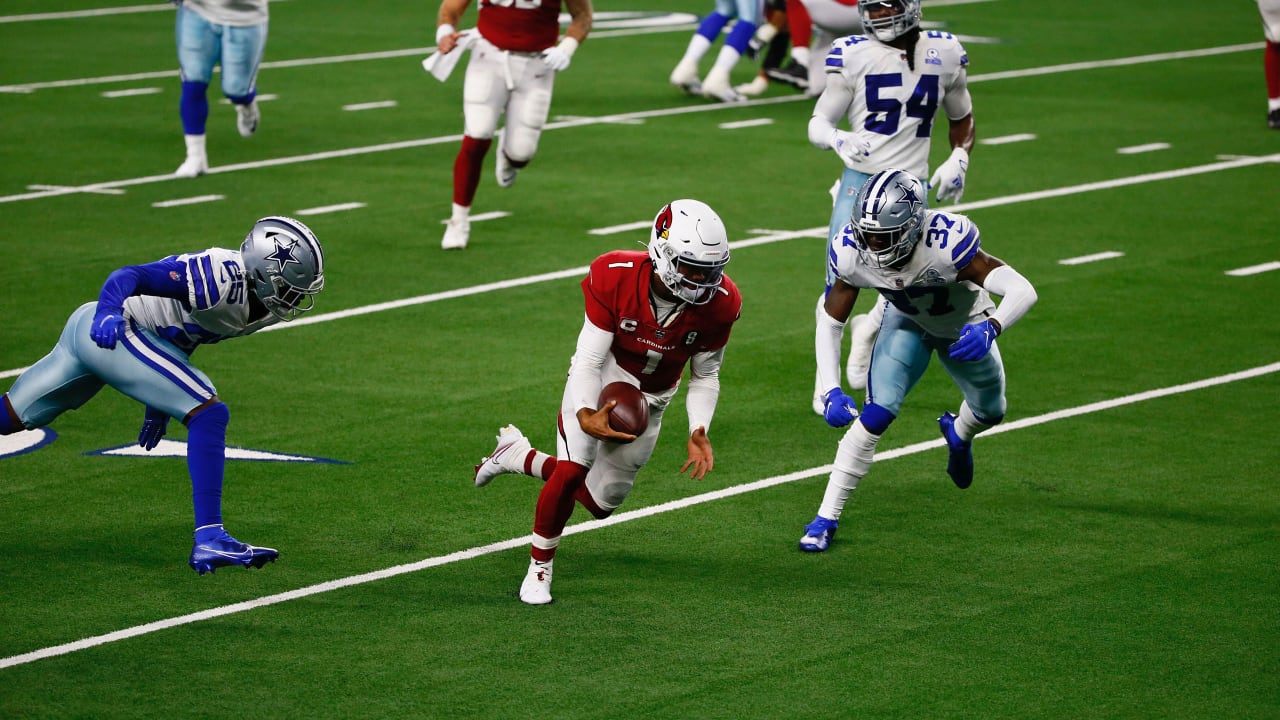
(854, 455)
(967, 424)
(801, 55)
(461, 213)
(195, 145)
(698, 46)
(725, 61)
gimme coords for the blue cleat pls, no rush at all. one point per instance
(818, 534)
(214, 548)
(960, 460)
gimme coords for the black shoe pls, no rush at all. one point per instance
(793, 74)
(1273, 119)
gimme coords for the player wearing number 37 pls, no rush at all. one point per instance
(647, 317)
(932, 270)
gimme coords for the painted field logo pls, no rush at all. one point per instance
(25, 441)
(178, 449)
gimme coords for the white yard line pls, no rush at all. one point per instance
(623, 517)
(574, 122)
(779, 236)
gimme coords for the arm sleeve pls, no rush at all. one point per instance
(165, 278)
(704, 388)
(588, 359)
(832, 105)
(827, 346)
(1016, 295)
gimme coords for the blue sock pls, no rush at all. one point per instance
(244, 99)
(194, 107)
(7, 425)
(740, 35)
(712, 25)
(206, 458)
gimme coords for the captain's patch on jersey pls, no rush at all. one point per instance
(25, 441)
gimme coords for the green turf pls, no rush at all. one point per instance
(1116, 564)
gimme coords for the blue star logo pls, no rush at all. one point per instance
(909, 196)
(284, 253)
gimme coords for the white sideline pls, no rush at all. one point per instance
(622, 517)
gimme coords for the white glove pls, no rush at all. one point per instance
(949, 177)
(557, 58)
(851, 148)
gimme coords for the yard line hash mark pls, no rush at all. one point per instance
(1109, 255)
(627, 516)
(1254, 269)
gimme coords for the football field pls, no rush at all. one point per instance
(1118, 555)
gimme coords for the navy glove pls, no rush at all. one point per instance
(975, 341)
(154, 425)
(840, 410)
(107, 328)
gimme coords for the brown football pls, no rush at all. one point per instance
(631, 414)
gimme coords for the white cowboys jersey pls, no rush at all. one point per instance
(895, 107)
(925, 289)
(216, 306)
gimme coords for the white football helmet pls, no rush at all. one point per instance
(892, 27)
(888, 217)
(285, 265)
(689, 248)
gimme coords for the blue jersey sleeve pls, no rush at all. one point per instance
(163, 278)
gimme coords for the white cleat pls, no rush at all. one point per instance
(193, 166)
(718, 88)
(754, 88)
(508, 457)
(456, 234)
(505, 173)
(536, 588)
(247, 119)
(685, 77)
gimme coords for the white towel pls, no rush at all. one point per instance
(441, 66)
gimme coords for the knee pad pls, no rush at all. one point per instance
(875, 418)
(213, 419)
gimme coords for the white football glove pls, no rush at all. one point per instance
(557, 58)
(852, 148)
(949, 177)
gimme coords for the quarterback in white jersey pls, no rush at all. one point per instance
(932, 270)
(138, 338)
